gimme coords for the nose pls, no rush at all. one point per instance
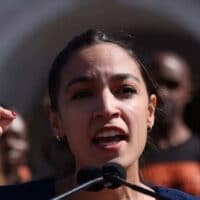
(107, 106)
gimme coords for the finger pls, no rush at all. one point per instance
(7, 114)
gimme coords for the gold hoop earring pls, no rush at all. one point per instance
(61, 139)
(58, 138)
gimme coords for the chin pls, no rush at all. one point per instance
(99, 162)
(118, 160)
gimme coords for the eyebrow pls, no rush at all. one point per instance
(89, 79)
(80, 79)
(123, 76)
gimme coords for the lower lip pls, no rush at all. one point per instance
(110, 146)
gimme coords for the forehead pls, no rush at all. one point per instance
(172, 68)
(105, 57)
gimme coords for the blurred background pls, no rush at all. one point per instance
(33, 32)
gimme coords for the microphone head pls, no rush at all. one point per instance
(111, 171)
(89, 173)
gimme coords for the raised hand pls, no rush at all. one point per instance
(6, 117)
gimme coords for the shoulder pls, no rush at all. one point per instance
(173, 194)
(40, 189)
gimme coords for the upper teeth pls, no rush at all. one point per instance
(108, 134)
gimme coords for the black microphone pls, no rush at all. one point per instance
(109, 171)
(94, 179)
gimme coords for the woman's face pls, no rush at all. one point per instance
(104, 109)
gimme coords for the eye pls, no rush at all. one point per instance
(126, 91)
(170, 84)
(82, 94)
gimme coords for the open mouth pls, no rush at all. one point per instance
(109, 138)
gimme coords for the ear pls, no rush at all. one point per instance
(54, 119)
(151, 110)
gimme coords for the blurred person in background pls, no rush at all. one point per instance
(14, 147)
(176, 162)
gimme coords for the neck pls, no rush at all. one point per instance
(178, 133)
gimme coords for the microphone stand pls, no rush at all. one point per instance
(78, 188)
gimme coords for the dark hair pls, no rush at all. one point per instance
(86, 39)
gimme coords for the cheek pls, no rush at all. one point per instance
(183, 96)
(137, 114)
(75, 122)
(137, 121)
(74, 114)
